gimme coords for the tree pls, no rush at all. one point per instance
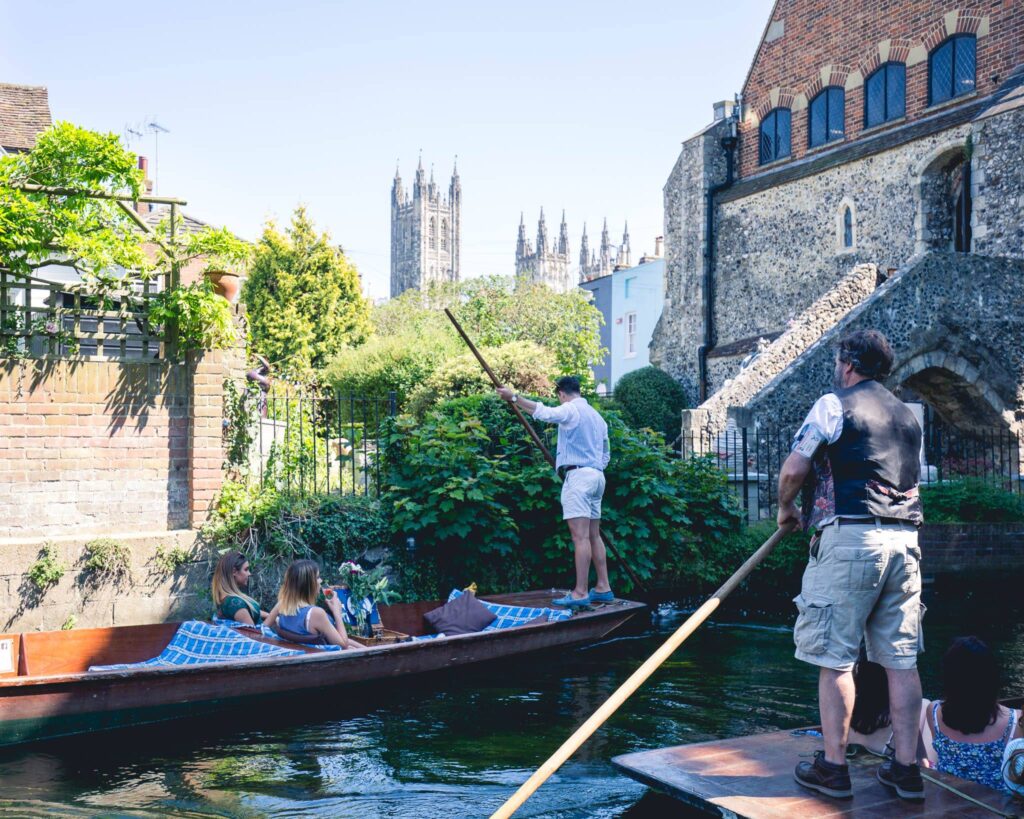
(650, 398)
(494, 311)
(93, 235)
(303, 297)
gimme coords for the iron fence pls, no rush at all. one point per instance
(752, 457)
(309, 442)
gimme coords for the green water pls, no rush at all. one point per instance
(457, 744)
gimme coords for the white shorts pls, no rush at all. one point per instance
(581, 493)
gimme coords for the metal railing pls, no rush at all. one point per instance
(751, 459)
(320, 443)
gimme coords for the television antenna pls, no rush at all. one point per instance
(131, 133)
(156, 129)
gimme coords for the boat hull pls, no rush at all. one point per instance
(39, 708)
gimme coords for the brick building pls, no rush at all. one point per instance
(873, 156)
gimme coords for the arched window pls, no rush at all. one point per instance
(826, 117)
(951, 69)
(433, 233)
(885, 94)
(775, 133)
(444, 234)
(847, 227)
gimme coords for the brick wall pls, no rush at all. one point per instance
(824, 43)
(960, 547)
(93, 447)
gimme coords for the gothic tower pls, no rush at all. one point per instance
(549, 263)
(425, 232)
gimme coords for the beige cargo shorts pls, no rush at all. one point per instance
(864, 582)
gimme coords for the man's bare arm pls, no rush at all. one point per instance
(794, 472)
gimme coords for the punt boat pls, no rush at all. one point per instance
(47, 690)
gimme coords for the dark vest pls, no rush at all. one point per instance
(876, 463)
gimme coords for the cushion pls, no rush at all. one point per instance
(463, 615)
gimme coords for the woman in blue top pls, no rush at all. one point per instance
(296, 615)
(966, 732)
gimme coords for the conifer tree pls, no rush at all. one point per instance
(303, 297)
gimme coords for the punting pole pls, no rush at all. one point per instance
(636, 679)
(637, 582)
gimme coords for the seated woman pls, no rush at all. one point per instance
(966, 732)
(871, 725)
(296, 616)
(230, 580)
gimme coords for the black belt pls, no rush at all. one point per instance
(570, 467)
(874, 519)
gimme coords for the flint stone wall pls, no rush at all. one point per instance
(780, 250)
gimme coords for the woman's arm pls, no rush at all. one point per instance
(271, 620)
(926, 748)
(319, 622)
(243, 616)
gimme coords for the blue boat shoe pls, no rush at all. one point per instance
(571, 601)
(602, 597)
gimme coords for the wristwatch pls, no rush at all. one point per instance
(515, 399)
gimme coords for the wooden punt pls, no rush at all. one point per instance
(50, 693)
(752, 777)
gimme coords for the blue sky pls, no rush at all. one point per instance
(571, 105)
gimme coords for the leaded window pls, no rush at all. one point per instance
(885, 94)
(775, 135)
(951, 69)
(847, 227)
(827, 116)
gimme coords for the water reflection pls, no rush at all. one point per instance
(457, 744)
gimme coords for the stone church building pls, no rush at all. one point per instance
(870, 174)
(551, 263)
(426, 232)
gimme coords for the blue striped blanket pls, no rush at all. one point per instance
(199, 643)
(511, 616)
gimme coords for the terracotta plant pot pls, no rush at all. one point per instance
(225, 283)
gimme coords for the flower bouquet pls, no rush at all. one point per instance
(366, 588)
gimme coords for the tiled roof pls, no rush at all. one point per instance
(24, 114)
(186, 224)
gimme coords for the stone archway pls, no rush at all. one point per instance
(943, 196)
(953, 387)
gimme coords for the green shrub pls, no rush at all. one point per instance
(390, 363)
(970, 500)
(651, 399)
(170, 558)
(107, 558)
(48, 569)
(273, 528)
(483, 505)
(778, 576)
(523, 365)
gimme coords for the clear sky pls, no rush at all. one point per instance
(574, 105)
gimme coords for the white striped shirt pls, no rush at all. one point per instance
(582, 433)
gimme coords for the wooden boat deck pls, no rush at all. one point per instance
(752, 777)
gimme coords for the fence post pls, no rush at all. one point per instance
(392, 403)
(743, 418)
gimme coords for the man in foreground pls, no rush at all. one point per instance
(863, 578)
(583, 453)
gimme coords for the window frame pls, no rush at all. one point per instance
(884, 70)
(775, 136)
(630, 336)
(952, 43)
(826, 93)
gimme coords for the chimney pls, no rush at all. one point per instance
(723, 109)
(142, 208)
(659, 247)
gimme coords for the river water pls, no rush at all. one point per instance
(458, 743)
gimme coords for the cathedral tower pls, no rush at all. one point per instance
(425, 232)
(549, 264)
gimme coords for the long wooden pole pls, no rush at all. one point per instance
(637, 582)
(636, 679)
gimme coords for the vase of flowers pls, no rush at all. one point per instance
(366, 587)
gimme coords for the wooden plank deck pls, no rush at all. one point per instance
(752, 777)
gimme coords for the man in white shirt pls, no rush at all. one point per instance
(583, 453)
